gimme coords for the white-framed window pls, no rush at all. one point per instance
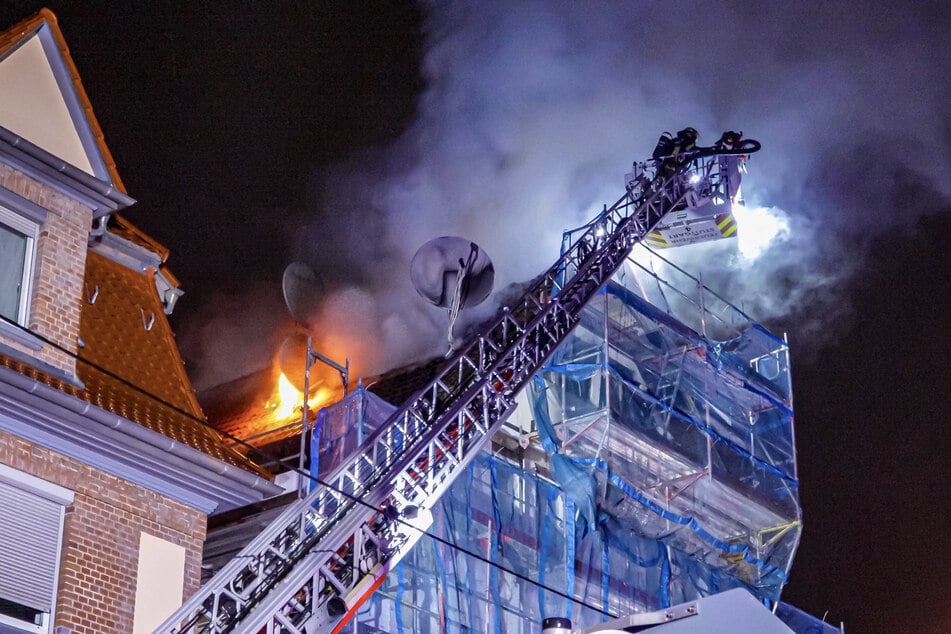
(31, 533)
(17, 255)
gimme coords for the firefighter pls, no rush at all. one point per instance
(686, 141)
(664, 147)
(729, 140)
(729, 165)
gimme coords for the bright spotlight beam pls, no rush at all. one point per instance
(758, 227)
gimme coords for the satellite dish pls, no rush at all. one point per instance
(447, 266)
(303, 291)
(452, 273)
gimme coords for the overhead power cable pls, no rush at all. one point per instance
(282, 461)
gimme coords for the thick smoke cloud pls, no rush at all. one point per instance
(533, 111)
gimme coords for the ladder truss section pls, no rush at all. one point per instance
(313, 566)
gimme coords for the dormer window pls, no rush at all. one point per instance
(17, 252)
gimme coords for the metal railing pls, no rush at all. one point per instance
(318, 560)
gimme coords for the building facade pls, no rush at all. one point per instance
(107, 469)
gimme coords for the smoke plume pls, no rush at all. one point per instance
(533, 111)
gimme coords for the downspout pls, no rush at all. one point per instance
(99, 227)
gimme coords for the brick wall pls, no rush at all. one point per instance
(101, 531)
(58, 269)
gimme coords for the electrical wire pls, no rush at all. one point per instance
(281, 461)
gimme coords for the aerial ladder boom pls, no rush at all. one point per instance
(310, 570)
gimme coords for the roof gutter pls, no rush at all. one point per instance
(45, 415)
(103, 197)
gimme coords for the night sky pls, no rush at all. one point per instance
(344, 134)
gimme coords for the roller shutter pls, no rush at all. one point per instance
(29, 547)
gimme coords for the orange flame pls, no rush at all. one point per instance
(321, 398)
(289, 399)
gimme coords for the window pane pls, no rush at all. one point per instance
(12, 258)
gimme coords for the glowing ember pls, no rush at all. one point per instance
(289, 399)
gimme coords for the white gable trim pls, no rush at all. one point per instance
(73, 104)
(74, 109)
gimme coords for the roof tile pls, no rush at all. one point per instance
(137, 372)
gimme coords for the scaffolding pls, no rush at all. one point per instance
(664, 471)
(641, 453)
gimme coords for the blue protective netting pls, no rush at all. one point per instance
(342, 427)
(670, 475)
(536, 560)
